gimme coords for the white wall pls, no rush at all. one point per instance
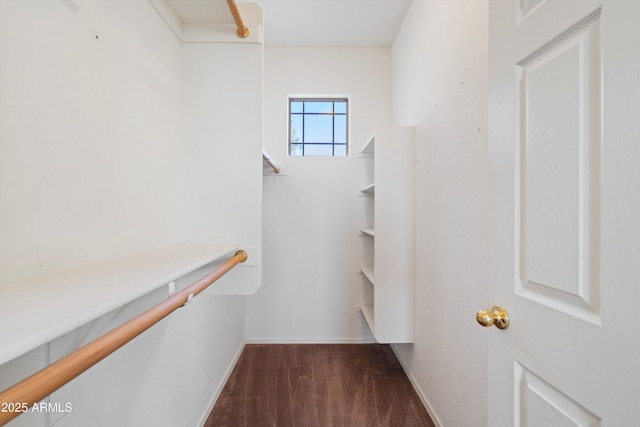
(440, 84)
(90, 168)
(90, 122)
(222, 152)
(312, 215)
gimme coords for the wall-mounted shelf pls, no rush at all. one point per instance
(34, 312)
(390, 317)
(369, 232)
(369, 189)
(369, 274)
(370, 147)
(368, 313)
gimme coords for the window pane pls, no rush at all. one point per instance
(340, 150)
(340, 129)
(318, 107)
(318, 150)
(296, 107)
(318, 128)
(340, 107)
(295, 134)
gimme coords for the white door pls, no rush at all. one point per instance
(564, 168)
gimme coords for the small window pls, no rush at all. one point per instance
(318, 127)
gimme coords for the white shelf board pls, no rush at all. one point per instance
(367, 312)
(370, 146)
(369, 189)
(369, 274)
(369, 231)
(34, 312)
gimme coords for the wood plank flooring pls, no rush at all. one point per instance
(318, 385)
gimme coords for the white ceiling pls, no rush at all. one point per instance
(310, 22)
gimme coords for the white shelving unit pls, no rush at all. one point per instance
(391, 273)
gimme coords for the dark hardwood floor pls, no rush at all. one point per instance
(318, 385)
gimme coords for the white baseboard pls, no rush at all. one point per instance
(218, 391)
(281, 340)
(418, 389)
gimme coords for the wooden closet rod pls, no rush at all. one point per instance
(44, 382)
(267, 158)
(242, 30)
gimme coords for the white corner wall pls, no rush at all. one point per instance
(313, 214)
(92, 168)
(222, 153)
(440, 84)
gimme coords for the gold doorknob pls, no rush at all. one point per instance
(497, 316)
